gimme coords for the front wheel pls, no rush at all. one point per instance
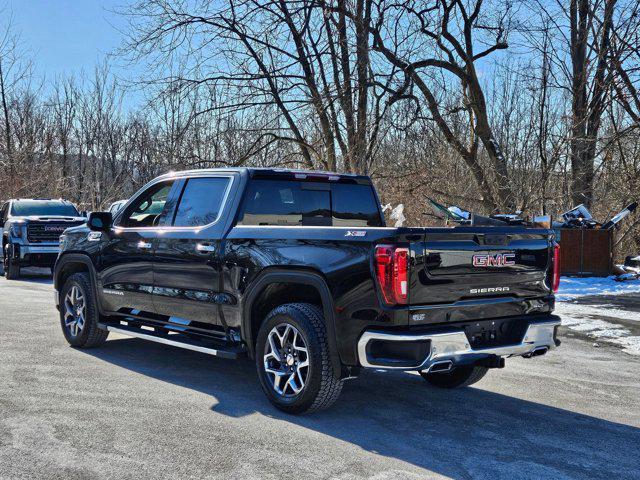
(11, 268)
(292, 357)
(79, 313)
(459, 377)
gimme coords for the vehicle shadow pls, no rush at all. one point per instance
(33, 275)
(626, 301)
(467, 433)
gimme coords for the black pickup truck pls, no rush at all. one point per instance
(298, 271)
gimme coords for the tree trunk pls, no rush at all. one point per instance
(587, 111)
(7, 127)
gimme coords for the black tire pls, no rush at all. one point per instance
(322, 384)
(11, 269)
(90, 335)
(459, 377)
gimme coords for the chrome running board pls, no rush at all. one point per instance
(224, 351)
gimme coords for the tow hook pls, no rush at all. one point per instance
(493, 362)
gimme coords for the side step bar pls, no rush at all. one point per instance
(223, 351)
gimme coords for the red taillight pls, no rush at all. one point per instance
(555, 275)
(392, 272)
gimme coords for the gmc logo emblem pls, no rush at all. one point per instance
(55, 229)
(495, 260)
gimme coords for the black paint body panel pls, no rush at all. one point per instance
(175, 280)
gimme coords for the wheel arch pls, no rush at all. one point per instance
(310, 280)
(71, 263)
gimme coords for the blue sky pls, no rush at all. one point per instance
(66, 36)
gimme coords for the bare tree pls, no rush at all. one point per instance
(446, 40)
(309, 61)
(14, 69)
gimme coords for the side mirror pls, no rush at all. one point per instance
(100, 221)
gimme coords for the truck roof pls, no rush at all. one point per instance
(292, 174)
(39, 200)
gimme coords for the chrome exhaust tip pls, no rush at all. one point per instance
(540, 351)
(441, 367)
(536, 352)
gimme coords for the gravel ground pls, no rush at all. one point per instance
(133, 409)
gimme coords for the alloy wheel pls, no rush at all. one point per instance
(74, 314)
(286, 360)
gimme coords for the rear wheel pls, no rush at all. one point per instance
(292, 357)
(79, 313)
(11, 268)
(459, 377)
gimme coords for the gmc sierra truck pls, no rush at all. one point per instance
(298, 271)
(31, 230)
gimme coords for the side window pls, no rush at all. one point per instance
(273, 202)
(354, 206)
(3, 214)
(201, 201)
(147, 209)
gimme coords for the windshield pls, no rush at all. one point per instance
(43, 208)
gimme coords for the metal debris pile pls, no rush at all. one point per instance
(580, 217)
(577, 218)
(630, 270)
(455, 214)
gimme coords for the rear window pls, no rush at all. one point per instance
(201, 201)
(354, 206)
(43, 208)
(289, 203)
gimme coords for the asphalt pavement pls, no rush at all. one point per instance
(133, 409)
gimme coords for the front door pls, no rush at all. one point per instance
(187, 261)
(126, 269)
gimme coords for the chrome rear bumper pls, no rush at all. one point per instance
(454, 346)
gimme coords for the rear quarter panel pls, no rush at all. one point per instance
(343, 260)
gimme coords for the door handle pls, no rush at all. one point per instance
(205, 248)
(144, 245)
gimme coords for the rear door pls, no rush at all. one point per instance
(480, 268)
(186, 264)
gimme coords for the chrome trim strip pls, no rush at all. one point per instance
(454, 345)
(337, 227)
(52, 248)
(165, 341)
(473, 302)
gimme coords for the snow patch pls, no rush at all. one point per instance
(610, 311)
(601, 330)
(592, 320)
(571, 287)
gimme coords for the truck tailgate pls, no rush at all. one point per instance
(480, 272)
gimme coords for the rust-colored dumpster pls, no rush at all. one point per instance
(585, 252)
